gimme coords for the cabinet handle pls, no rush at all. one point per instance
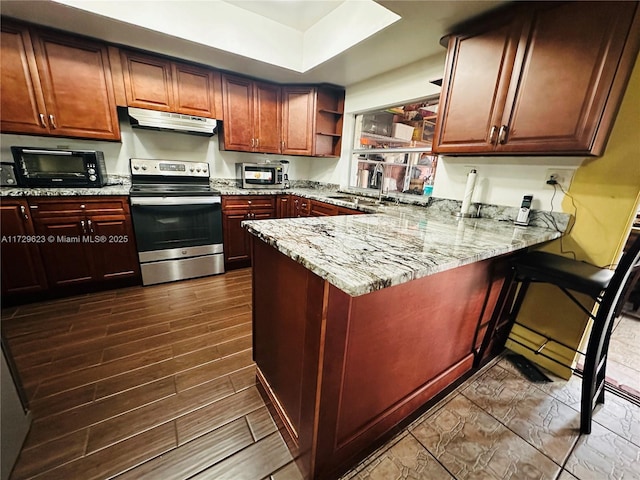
(90, 225)
(52, 119)
(502, 136)
(253, 142)
(257, 142)
(24, 212)
(43, 120)
(282, 144)
(492, 135)
(84, 229)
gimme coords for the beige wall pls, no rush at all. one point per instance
(606, 194)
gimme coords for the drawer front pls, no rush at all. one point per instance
(61, 206)
(248, 202)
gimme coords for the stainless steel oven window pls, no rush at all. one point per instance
(160, 226)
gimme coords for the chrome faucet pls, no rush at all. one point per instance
(379, 168)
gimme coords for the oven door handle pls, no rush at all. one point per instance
(166, 201)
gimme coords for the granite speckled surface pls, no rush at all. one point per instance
(363, 253)
(116, 185)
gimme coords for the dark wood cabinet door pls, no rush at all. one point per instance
(565, 76)
(115, 255)
(237, 247)
(321, 209)
(283, 206)
(76, 79)
(267, 117)
(148, 81)
(237, 101)
(477, 75)
(22, 106)
(67, 259)
(297, 120)
(194, 89)
(22, 269)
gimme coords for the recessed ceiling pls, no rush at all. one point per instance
(413, 37)
(268, 30)
(298, 14)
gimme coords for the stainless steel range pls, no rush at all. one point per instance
(177, 218)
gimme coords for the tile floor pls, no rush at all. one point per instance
(623, 365)
(499, 425)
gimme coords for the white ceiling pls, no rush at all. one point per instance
(414, 37)
(297, 14)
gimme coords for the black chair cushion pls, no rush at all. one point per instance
(564, 272)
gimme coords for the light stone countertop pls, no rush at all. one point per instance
(363, 253)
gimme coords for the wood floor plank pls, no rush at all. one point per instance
(260, 423)
(61, 402)
(210, 339)
(87, 415)
(244, 378)
(254, 462)
(151, 342)
(194, 457)
(189, 378)
(119, 457)
(89, 375)
(149, 416)
(46, 456)
(215, 415)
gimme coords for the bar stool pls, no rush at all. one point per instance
(605, 286)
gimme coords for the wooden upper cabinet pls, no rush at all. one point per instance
(147, 81)
(298, 105)
(158, 83)
(267, 119)
(21, 96)
(290, 119)
(237, 101)
(251, 115)
(55, 84)
(546, 78)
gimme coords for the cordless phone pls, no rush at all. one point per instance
(525, 209)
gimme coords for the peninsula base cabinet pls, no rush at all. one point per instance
(341, 372)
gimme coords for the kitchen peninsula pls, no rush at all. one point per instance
(358, 321)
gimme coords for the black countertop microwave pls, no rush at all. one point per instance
(49, 167)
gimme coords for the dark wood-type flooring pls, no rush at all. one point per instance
(145, 382)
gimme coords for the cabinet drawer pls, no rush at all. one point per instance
(53, 207)
(246, 202)
(320, 209)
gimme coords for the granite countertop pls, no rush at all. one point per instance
(363, 253)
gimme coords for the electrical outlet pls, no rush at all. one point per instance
(561, 176)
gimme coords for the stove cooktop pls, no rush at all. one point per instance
(172, 190)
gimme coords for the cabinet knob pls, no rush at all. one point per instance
(23, 211)
(82, 206)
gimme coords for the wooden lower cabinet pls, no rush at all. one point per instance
(342, 372)
(235, 210)
(22, 269)
(87, 240)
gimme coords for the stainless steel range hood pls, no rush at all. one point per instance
(176, 122)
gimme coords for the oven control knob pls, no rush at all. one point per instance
(136, 167)
(198, 170)
(204, 169)
(91, 171)
(191, 169)
(144, 167)
(93, 178)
